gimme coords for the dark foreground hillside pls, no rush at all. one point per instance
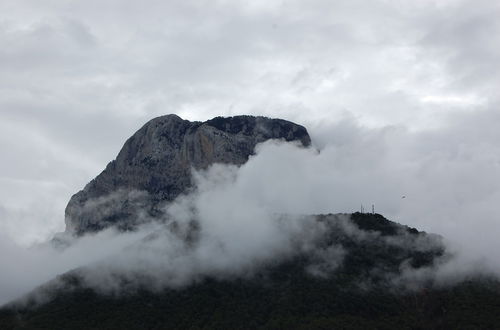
(364, 292)
(297, 304)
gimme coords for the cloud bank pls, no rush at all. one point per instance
(253, 214)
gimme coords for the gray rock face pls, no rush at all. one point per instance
(154, 166)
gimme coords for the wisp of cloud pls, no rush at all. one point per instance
(240, 218)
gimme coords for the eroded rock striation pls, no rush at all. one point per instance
(154, 166)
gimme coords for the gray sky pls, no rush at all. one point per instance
(403, 94)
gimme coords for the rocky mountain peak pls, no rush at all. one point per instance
(154, 166)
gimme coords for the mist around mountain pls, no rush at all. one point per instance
(218, 225)
(344, 271)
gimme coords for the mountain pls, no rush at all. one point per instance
(154, 166)
(332, 271)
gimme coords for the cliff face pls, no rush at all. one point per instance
(154, 166)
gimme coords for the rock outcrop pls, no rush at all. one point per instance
(154, 166)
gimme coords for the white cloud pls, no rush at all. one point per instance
(240, 209)
(454, 100)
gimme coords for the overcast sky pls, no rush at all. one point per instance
(413, 83)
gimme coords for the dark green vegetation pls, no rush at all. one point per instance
(303, 303)
(359, 294)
